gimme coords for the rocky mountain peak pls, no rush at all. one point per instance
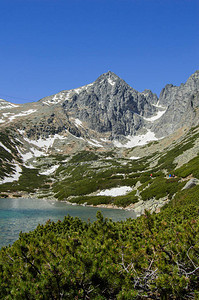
(109, 74)
(182, 104)
(110, 79)
(193, 81)
(107, 109)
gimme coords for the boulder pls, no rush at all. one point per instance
(191, 183)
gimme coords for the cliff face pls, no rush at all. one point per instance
(75, 142)
(107, 109)
(182, 103)
(111, 105)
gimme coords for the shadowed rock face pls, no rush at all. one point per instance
(107, 108)
(182, 104)
(111, 105)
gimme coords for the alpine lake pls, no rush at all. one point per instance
(24, 214)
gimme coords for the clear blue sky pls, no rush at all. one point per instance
(51, 45)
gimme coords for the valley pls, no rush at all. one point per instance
(105, 145)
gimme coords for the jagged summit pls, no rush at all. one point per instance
(107, 109)
(109, 74)
(104, 115)
(109, 77)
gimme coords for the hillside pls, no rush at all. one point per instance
(105, 144)
(100, 143)
(90, 176)
(152, 257)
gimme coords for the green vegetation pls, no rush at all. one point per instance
(84, 156)
(121, 201)
(88, 172)
(155, 256)
(167, 160)
(29, 181)
(161, 187)
(152, 257)
(7, 156)
(192, 167)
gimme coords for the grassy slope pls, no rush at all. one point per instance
(87, 172)
(153, 257)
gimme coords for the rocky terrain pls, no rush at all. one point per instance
(76, 144)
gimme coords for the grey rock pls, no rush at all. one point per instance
(191, 183)
(108, 108)
(110, 105)
(182, 103)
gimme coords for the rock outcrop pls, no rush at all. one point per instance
(106, 110)
(182, 103)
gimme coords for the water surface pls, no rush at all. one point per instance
(24, 214)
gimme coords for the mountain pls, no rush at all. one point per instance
(182, 104)
(76, 143)
(105, 144)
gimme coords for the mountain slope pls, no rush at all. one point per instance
(76, 143)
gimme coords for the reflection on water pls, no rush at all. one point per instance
(25, 214)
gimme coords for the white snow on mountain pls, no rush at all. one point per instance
(138, 140)
(14, 177)
(111, 82)
(9, 117)
(156, 117)
(4, 104)
(2, 145)
(65, 95)
(50, 171)
(78, 122)
(113, 192)
(28, 155)
(94, 143)
(80, 89)
(45, 144)
(57, 98)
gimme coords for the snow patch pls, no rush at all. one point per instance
(138, 140)
(78, 122)
(45, 143)
(62, 96)
(158, 105)
(154, 118)
(94, 143)
(134, 157)
(2, 145)
(105, 140)
(119, 191)
(13, 177)
(23, 113)
(50, 171)
(37, 153)
(12, 116)
(28, 155)
(110, 81)
(21, 131)
(4, 104)
(80, 89)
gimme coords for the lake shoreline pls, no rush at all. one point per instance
(138, 208)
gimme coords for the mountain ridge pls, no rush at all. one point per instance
(99, 125)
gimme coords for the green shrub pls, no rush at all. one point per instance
(161, 187)
(192, 167)
(84, 156)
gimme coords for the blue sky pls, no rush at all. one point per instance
(51, 45)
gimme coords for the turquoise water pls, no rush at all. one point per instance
(25, 214)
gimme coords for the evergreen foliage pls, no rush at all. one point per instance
(153, 257)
